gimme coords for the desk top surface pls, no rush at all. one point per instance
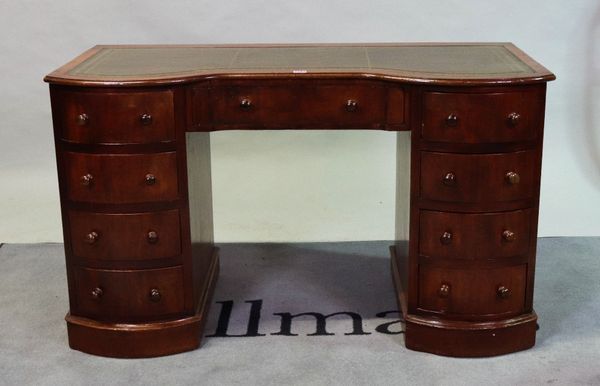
(436, 63)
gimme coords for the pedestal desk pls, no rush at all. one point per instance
(132, 123)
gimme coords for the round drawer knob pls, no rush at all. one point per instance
(513, 119)
(503, 292)
(351, 105)
(512, 178)
(152, 237)
(449, 179)
(146, 119)
(150, 179)
(508, 235)
(452, 120)
(446, 238)
(155, 295)
(246, 104)
(444, 290)
(87, 180)
(97, 293)
(83, 119)
(92, 237)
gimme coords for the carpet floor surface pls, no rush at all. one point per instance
(282, 280)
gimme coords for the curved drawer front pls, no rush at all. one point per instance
(128, 295)
(473, 178)
(474, 236)
(472, 291)
(121, 178)
(115, 117)
(137, 236)
(482, 118)
(296, 106)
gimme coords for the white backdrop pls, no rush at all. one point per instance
(298, 186)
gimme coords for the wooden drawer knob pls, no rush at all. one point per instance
(444, 290)
(351, 105)
(508, 235)
(513, 119)
(150, 179)
(146, 119)
(503, 292)
(446, 238)
(92, 237)
(246, 104)
(449, 179)
(452, 120)
(87, 180)
(152, 237)
(83, 119)
(97, 293)
(155, 295)
(512, 178)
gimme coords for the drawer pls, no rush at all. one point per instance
(129, 295)
(115, 117)
(474, 178)
(121, 178)
(289, 105)
(474, 236)
(482, 118)
(137, 236)
(472, 291)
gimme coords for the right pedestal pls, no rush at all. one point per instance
(465, 277)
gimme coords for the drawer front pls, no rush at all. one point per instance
(474, 236)
(473, 178)
(297, 106)
(482, 118)
(121, 178)
(137, 236)
(125, 295)
(110, 117)
(472, 291)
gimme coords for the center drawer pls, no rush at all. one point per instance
(129, 295)
(476, 291)
(121, 178)
(292, 105)
(136, 236)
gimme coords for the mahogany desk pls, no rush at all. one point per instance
(135, 183)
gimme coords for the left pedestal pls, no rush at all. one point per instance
(141, 263)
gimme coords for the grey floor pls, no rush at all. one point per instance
(297, 278)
